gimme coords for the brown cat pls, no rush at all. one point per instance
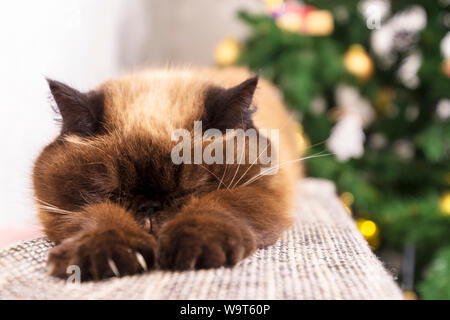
(115, 203)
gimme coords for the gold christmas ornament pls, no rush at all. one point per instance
(273, 2)
(290, 21)
(347, 198)
(273, 6)
(302, 140)
(370, 232)
(410, 295)
(444, 203)
(368, 228)
(227, 52)
(358, 62)
(319, 23)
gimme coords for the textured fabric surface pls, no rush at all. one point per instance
(322, 257)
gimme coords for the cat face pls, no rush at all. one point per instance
(115, 144)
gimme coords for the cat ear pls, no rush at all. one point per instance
(230, 108)
(81, 112)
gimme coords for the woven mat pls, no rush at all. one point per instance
(322, 257)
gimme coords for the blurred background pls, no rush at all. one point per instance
(369, 81)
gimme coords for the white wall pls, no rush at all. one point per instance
(186, 31)
(83, 42)
(65, 40)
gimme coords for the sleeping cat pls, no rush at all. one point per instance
(114, 202)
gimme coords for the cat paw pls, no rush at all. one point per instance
(203, 242)
(103, 254)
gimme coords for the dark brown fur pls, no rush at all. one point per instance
(97, 186)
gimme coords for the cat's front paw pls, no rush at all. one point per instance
(101, 254)
(203, 242)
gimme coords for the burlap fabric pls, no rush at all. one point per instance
(322, 257)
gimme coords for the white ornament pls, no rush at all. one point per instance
(347, 138)
(350, 101)
(382, 40)
(411, 21)
(404, 149)
(408, 70)
(443, 109)
(445, 46)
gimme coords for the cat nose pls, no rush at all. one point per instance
(149, 206)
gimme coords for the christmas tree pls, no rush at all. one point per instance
(370, 82)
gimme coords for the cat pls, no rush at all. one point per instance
(115, 204)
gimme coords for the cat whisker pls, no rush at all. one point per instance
(268, 144)
(242, 153)
(316, 144)
(223, 176)
(237, 169)
(251, 165)
(93, 163)
(281, 165)
(49, 206)
(113, 267)
(141, 261)
(42, 201)
(258, 176)
(245, 172)
(54, 210)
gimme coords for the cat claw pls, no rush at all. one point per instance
(113, 267)
(141, 261)
(50, 268)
